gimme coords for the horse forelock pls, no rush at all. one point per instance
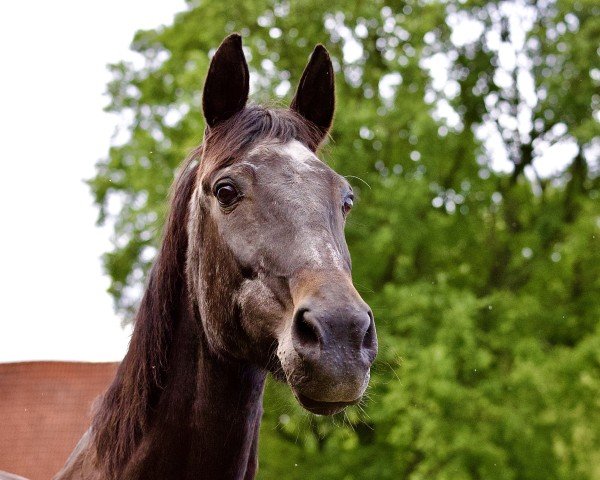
(227, 142)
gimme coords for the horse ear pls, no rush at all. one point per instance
(315, 97)
(227, 82)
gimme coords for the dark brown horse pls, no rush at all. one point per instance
(253, 277)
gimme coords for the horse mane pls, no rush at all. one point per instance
(125, 412)
(122, 417)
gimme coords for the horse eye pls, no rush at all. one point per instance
(347, 206)
(226, 194)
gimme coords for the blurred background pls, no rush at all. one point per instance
(470, 131)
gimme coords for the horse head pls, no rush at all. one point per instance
(268, 265)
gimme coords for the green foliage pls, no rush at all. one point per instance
(485, 285)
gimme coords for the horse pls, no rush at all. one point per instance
(253, 277)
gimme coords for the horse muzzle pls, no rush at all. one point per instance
(328, 355)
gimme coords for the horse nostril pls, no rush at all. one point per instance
(370, 339)
(305, 331)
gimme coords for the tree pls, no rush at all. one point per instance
(470, 131)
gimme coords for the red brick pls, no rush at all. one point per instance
(45, 407)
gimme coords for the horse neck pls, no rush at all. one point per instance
(207, 419)
(205, 424)
(203, 420)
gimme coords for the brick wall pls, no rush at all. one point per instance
(45, 407)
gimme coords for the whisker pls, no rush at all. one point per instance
(358, 178)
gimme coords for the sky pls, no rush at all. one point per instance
(53, 299)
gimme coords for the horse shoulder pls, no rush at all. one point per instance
(80, 464)
(10, 476)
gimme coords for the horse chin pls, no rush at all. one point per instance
(321, 396)
(320, 407)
